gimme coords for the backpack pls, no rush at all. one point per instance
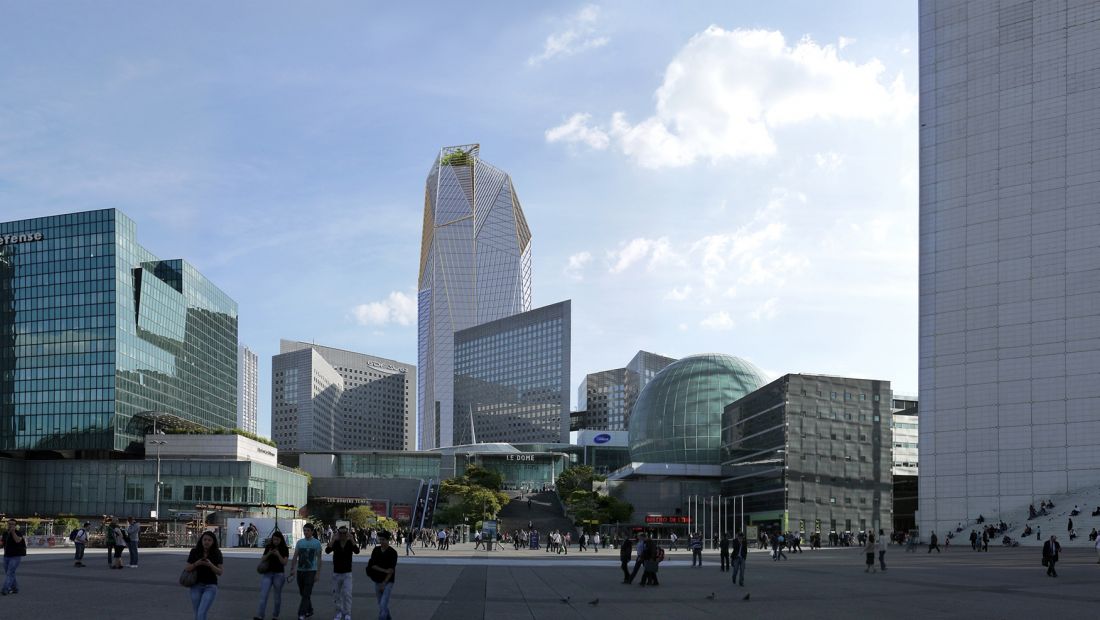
(72, 535)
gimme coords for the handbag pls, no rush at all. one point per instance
(188, 578)
(263, 566)
(1045, 561)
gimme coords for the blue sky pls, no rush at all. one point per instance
(705, 176)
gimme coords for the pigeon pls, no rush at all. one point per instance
(746, 598)
(594, 603)
(711, 596)
(566, 599)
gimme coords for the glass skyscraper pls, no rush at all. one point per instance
(95, 329)
(512, 378)
(475, 267)
(248, 388)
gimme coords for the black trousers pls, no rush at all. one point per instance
(626, 570)
(634, 573)
(725, 557)
(1050, 567)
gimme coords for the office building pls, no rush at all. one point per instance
(608, 397)
(906, 460)
(511, 379)
(248, 388)
(326, 399)
(811, 453)
(475, 267)
(1009, 291)
(95, 330)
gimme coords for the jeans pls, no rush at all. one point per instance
(202, 598)
(696, 557)
(11, 564)
(133, 545)
(79, 552)
(634, 573)
(269, 582)
(882, 559)
(383, 591)
(341, 592)
(738, 568)
(305, 588)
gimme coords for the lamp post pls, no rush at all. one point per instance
(158, 443)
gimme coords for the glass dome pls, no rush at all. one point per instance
(678, 416)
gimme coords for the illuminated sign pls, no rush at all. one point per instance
(521, 457)
(21, 238)
(668, 519)
(601, 438)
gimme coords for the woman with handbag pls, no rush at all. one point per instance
(204, 564)
(271, 568)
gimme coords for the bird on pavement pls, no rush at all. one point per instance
(594, 603)
(746, 598)
(711, 596)
(566, 599)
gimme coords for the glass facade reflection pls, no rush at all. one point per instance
(94, 329)
(475, 267)
(605, 399)
(511, 378)
(678, 416)
(812, 453)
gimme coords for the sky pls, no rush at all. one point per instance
(732, 177)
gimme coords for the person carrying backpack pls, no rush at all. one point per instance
(15, 549)
(79, 536)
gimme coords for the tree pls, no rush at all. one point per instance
(362, 517)
(487, 478)
(475, 496)
(574, 486)
(576, 478)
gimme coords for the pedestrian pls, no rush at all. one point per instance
(306, 565)
(116, 542)
(342, 549)
(627, 549)
(739, 552)
(696, 549)
(133, 533)
(639, 551)
(934, 543)
(409, 544)
(272, 569)
(205, 560)
(80, 537)
(1051, 548)
(650, 561)
(596, 542)
(881, 546)
(672, 541)
(240, 534)
(724, 552)
(869, 551)
(382, 568)
(15, 549)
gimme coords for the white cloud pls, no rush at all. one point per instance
(844, 42)
(719, 321)
(576, 129)
(578, 34)
(765, 311)
(726, 93)
(577, 262)
(829, 161)
(658, 251)
(679, 293)
(398, 308)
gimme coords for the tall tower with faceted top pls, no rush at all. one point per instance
(475, 267)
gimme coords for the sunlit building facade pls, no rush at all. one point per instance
(475, 267)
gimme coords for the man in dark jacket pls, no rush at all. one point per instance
(625, 551)
(739, 551)
(1050, 555)
(724, 552)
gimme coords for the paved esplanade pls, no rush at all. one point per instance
(456, 585)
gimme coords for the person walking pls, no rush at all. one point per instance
(133, 533)
(696, 549)
(639, 551)
(869, 551)
(273, 562)
(672, 541)
(596, 542)
(306, 562)
(80, 538)
(382, 569)
(880, 545)
(409, 544)
(650, 563)
(15, 549)
(342, 549)
(627, 549)
(205, 560)
(934, 543)
(739, 552)
(1051, 549)
(724, 552)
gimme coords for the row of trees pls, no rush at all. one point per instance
(471, 498)
(574, 487)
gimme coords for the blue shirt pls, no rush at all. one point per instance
(309, 553)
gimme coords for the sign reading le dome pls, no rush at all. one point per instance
(21, 238)
(601, 438)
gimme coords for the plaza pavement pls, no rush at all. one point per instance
(462, 584)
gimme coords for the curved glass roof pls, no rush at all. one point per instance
(678, 416)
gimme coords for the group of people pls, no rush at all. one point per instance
(206, 563)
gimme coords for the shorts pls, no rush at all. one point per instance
(118, 551)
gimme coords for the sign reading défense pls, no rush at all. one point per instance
(21, 238)
(668, 519)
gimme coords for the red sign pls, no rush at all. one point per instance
(402, 513)
(668, 519)
(378, 507)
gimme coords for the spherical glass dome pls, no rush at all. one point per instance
(678, 416)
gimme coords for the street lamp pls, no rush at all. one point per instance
(158, 443)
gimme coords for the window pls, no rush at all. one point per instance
(135, 492)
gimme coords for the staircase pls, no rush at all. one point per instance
(545, 514)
